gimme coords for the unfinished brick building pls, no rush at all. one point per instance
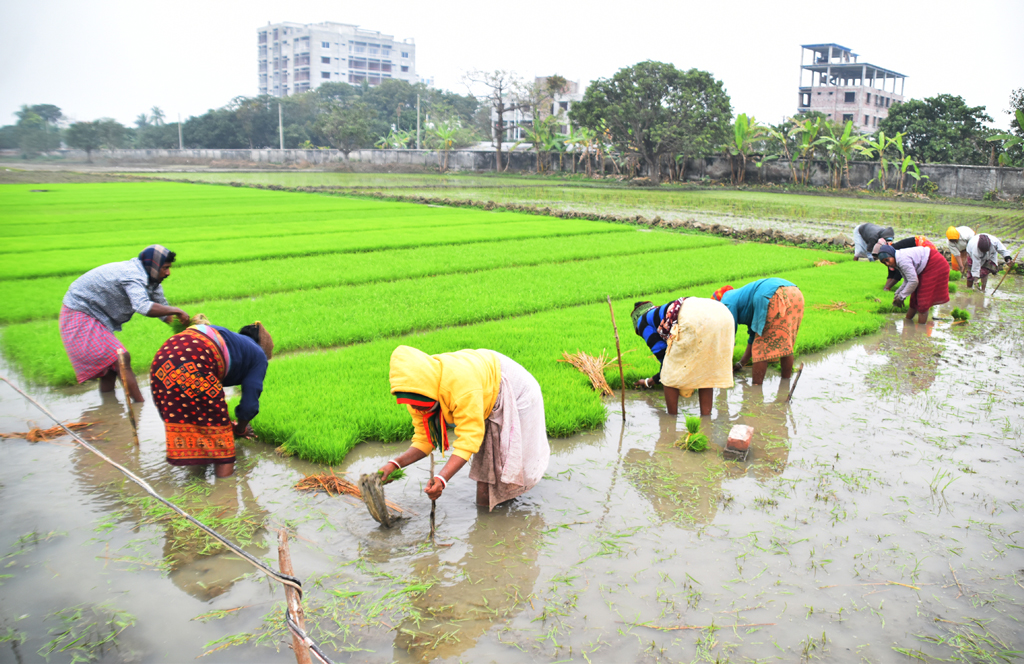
(834, 83)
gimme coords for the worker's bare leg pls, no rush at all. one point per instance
(984, 282)
(911, 312)
(133, 385)
(671, 400)
(705, 395)
(108, 380)
(482, 497)
(922, 316)
(760, 369)
(787, 366)
(224, 469)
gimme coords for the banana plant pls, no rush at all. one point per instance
(840, 150)
(809, 140)
(1009, 140)
(396, 139)
(783, 137)
(876, 150)
(746, 131)
(443, 135)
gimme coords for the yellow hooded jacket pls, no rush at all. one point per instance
(465, 383)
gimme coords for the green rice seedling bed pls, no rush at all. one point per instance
(321, 405)
(507, 226)
(29, 299)
(328, 317)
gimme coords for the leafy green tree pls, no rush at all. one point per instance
(84, 136)
(941, 130)
(37, 130)
(113, 134)
(9, 137)
(653, 110)
(217, 128)
(347, 127)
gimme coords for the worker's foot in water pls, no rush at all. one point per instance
(224, 469)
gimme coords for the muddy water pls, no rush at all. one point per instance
(879, 510)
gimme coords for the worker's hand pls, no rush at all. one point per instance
(643, 384)
(897, 301)
(386, 470)
(738, 367)
(242, 430)
(182, 316)
(434, 488)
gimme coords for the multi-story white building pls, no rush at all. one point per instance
(834, 83)
(297, 57)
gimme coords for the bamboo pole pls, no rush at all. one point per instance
(618, 351)
(122, 369)
(1014, 260)
(795, 381)
(284, 558)
(433, 503)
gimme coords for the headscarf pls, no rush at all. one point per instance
(886, 250)
(879, 245)
(952, 234)
(259, 334)
(984, 243)
(722, 291)
(639, 309)
(153, 259)
(433, 422)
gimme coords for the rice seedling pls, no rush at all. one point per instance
(954, 275)
(86, 632)
(959, 314)
(694, 440)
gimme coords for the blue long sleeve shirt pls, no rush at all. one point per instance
(248, 369)
(749, 304)
(647, 328)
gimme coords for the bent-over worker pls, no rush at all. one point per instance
(925, 278)
(498, 412)
(958, 237)
(772, 309)
(866, 236)
(983, 254)
(188, 377)
(895, 276)
(103, 299)
(693, 339)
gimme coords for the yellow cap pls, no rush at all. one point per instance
(952, 233)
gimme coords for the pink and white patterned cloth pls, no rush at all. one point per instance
(91, 347)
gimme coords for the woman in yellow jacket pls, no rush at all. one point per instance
(498, 412)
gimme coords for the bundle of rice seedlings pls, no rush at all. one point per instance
(397, 474)
(694, 440)
(37, 435)
(835, 306)
(954, 275)
(593, 367)
(953, 288)
(961, 315)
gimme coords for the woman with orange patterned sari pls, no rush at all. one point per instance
(772, 309)
(188, 377)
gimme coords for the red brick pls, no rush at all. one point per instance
(739, 437)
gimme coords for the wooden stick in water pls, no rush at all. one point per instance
(284, 557)
(123, 371)
(433, 503)
(618, 350)
(1007, 271)
(795, 381)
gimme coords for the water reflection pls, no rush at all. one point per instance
(490, 584)
(194, 563)
(913, 360)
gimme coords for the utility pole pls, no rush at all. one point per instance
(280, 125)
(181, 143)
(417, 122)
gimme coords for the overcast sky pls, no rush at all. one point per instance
(115, 58)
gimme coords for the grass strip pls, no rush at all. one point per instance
(30, 299)
(329, 317)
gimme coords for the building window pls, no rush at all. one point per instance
(849, 97)
(405, 69)
(325, 60)
(325, 74)
(325, 44)
(868, 98)
(405, 54)
(847, 117)
(887, 100)
(866, 120)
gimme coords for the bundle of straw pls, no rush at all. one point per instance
(593, 367)
(823, 263)
(334, 485)
(37, 435)
(835, 306)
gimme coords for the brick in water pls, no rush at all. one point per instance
(739, 437)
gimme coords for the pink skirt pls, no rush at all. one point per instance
(91, 347)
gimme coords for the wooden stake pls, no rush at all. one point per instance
(123, 371)
(433, 503)
(618, 350)
(1007, 271)
(284, 558)
(795, 381)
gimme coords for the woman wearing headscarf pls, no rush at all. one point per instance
(772, 309)
(925, 278)
(498, 412)
(866, 236)
(188, 377)
(103, 299)
(983, 254)
(693, 339)
(906, 243)
(958, 237)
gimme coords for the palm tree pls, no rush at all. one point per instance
(156, 116)
(142, 121)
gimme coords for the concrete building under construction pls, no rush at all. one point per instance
(834, 83)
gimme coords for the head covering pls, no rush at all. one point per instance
(984, 243)
(266, 342)
(722, 291)
(639, 309)
(886, 250)
(888, 233)
(952, 234)
(415, 379)
(879, 245)
(153, 259)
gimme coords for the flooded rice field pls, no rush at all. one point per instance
(878, 517)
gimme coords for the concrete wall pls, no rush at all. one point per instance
(951, 180)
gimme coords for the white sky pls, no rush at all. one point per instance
(118, 58)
